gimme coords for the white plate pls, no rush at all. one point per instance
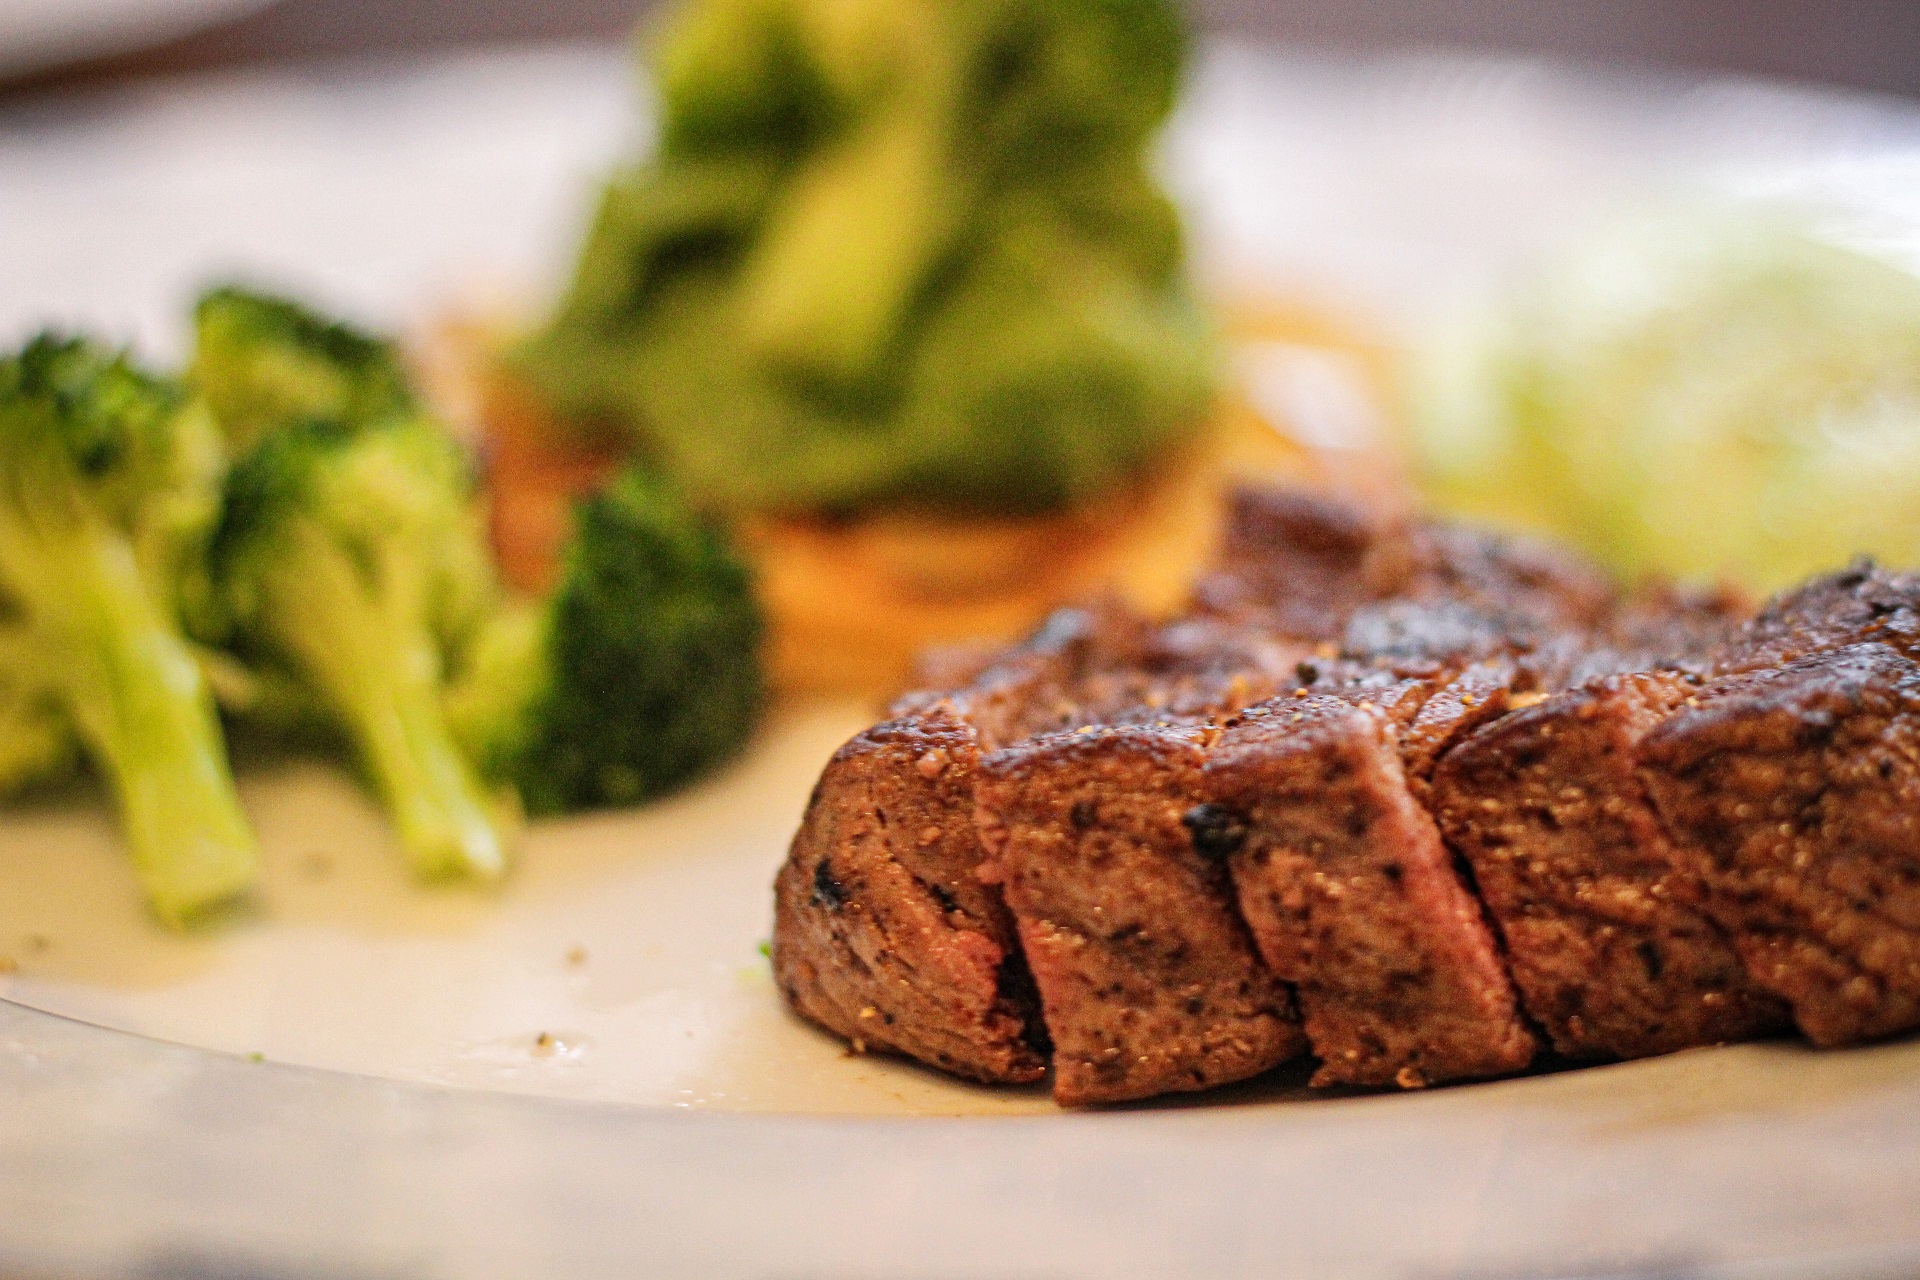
(38, 32)
(630, 941)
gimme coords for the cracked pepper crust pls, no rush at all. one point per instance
(887, 937)
(1794, 794)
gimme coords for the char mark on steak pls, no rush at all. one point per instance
(1858, 604)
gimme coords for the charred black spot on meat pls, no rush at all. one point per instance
(1816, 729)
(1217, 832)
(1084, 814)
(1393, 872)
(827, 891)
(1857, 571)
(941, 894)
(1650, 958)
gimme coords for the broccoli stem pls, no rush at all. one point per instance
(376, 663)
(443, 816)
(143, 708)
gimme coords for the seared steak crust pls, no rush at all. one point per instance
(1794, 794)
(1609, 941)
(1148, 980)
(1860, 603)
(1299, 563)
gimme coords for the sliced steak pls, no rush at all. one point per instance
(1531, 590)
(1145, 972)
(883, 931)
(1608, 940)
(1353, 898)
(1794, 794)
(1299, 563)
(880, 931)
(1860, 603)
(1681, 823)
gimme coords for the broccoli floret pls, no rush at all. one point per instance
(263, 361)
(823, 291)
(639, 673)
(327, 560)
(349, 561)
(109, 479)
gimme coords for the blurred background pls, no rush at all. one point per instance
(1864, 44)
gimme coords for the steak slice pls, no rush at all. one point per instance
(1794, 794)
(1146, 974)
(1533, 589)
(1353, 898)
(1860, 603)
(883, 931)
(1608, 940)
(1298, 563)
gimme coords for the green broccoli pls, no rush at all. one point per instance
(822, 292)
(640, 672)
(37, 744)
(349, 560)
(263, 361)
(111, 481)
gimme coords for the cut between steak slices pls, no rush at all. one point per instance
(1353, 898)
(1794, 794)
(1146, 975)
(884, 932)
(1408, 795)
(1611, 945)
